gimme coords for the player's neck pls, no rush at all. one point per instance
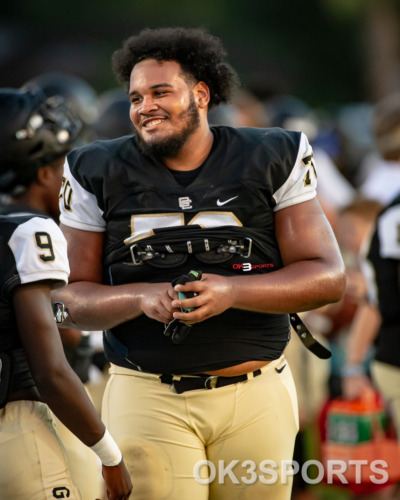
(194, 152)
(29, 198)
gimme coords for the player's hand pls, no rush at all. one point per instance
(215, 294)
(357, 387)
(156, 301)
(118, 482)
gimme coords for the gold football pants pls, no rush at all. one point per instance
(229, 443)
(33, 461)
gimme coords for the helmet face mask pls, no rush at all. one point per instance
(79, 95)
(34, 131)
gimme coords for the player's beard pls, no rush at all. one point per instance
(170, 146)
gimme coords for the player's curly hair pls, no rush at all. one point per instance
(199, 54)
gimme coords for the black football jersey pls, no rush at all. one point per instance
(383, 274)
(110, 186)
(32, 248)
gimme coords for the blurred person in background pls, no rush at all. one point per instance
(376, 326)
(113, 120)
(244, 110)
(378, 323)
(36, 133)
(336, 322)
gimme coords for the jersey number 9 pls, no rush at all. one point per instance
(43, 241)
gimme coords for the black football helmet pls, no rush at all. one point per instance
(34, 131)
(79, 95)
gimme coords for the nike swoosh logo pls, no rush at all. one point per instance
(220, 203)
(280, 370)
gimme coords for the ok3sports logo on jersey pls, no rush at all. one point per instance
(247, 266)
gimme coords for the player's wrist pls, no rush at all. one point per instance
(353, 370)
(107, 450)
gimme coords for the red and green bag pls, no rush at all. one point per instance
(360, 450)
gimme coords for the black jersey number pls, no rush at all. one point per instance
(308, 162)
(66, 194)
(43, 241)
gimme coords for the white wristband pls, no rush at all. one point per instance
(107, 450)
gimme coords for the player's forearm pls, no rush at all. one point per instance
(362, 333)
(61, 389)
(92, 306)
(302, 286)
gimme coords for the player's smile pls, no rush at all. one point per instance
(152, 123)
